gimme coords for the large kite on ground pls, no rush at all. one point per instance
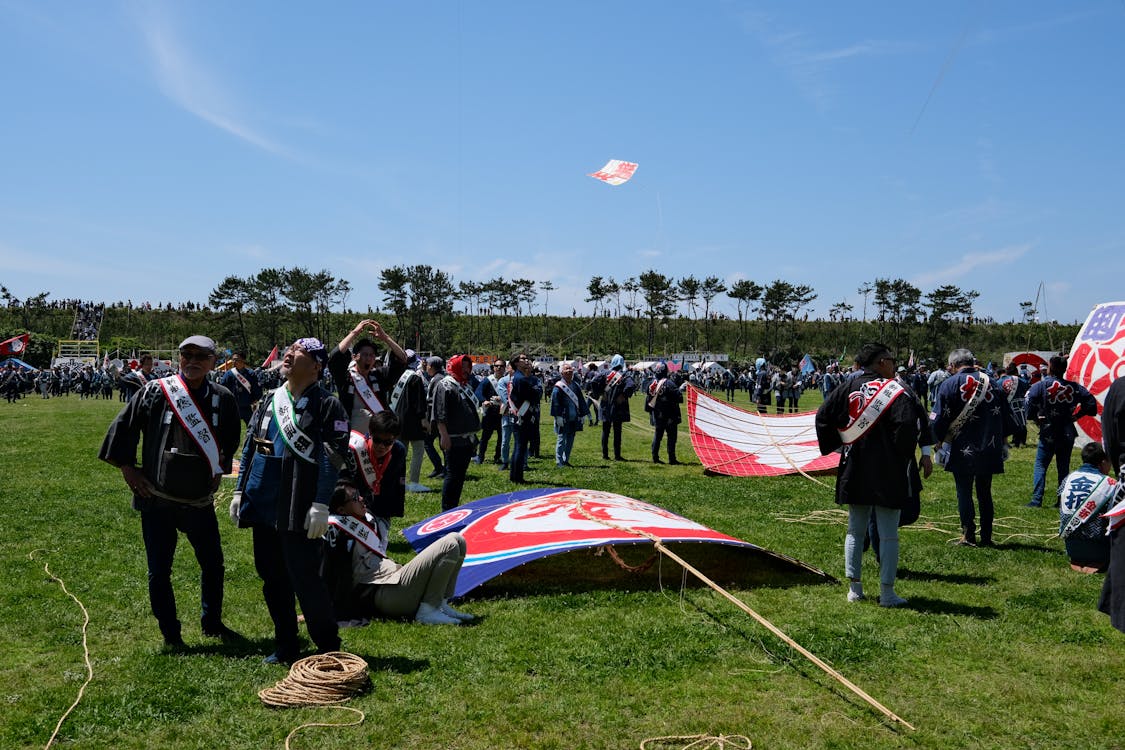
(1097, 358)
(742, 443)
(507, 531)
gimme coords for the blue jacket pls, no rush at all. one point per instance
(978, 448)
(1055, 404)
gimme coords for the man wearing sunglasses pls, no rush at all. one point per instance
(190, 428)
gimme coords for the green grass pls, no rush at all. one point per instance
(1000, 648)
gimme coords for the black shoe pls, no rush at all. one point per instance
(673, 462)
(174, 642)
(618, 458)
(655, 460)
(1034, 504)
(605, 456)
(279, 657)
(436, 473)
(223, 633)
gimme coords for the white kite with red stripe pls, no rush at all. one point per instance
(615, 172)
(741, 443)
(1097, 358)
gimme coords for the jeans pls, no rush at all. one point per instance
(289, 565)
(417, 453)
(161, 522)
(1044, 453)
(519, 451)
(488, 426)
(964, 483)
(506, 429)
(564, 443)
(887, 521)
(457, 460)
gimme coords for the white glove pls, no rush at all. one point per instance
(235, 504)
(317, 520)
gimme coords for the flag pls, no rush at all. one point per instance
(807, 365)
(271, 358)
(105, 360)
(910, 362)
(14, 346)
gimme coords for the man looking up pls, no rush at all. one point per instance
(296, 442)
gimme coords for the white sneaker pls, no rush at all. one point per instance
(428, 614)
(891, 600)
(447, 609)
(417, 487)
(856, 596)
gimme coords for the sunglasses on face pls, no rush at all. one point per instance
(195, 356)
(381, 441)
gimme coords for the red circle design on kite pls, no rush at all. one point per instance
(444, 521)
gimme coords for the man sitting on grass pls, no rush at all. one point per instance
(1084, 496)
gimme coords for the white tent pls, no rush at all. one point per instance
(642, 366)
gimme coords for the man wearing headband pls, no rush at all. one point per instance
(295, 445)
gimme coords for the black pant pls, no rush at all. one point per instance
(161, 522)
(489, 425)
(660, 431)
(523, 434)
(289, 565)
(616, 439)
(457, 460)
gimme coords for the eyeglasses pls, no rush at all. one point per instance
(196, 356)
(377, 441)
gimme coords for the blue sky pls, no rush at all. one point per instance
(150, 149)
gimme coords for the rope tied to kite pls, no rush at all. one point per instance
(320, 680)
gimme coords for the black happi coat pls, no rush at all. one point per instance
(874, 470)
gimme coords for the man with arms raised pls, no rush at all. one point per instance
(190, 428)
(361, 385)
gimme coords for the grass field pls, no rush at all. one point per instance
(999, 648)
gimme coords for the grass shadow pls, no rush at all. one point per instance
(925, 575)
(397, 664)
(943, 607)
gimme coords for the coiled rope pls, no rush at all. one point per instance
(85, 647)
(699, 742)
(320, 680)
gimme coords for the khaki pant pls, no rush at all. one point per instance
(430, 577)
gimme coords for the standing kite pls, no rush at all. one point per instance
(1097, 358)
(741, 443)
(615, 172)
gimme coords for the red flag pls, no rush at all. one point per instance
(271, 358)
(15, 346)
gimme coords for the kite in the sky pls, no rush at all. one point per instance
(615, 172)
(1097, 358)
(506, 531)
(740, 443)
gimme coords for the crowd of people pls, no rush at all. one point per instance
(878, 422)
(336, 436)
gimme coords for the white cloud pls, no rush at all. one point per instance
(971, 262)
(190, 85)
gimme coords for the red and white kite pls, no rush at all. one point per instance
(741, 443)
(615, 172)
(1097, 358)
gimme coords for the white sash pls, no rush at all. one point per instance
(363, 390)
(187, 411)
(400, 386)
(242, 381)
(656, 392)
(872, 410)
(969, 408)
(565, 388)
(357, 441)
(358, 530)
(466, 394)
(1089, 507)
(285, 414)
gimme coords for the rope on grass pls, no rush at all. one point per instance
(699, 742)
(85, 647)
(320, 680)
(613, 554)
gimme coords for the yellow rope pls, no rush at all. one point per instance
(660, 546)
(699, 741)
(320, 680)
(85, 647)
